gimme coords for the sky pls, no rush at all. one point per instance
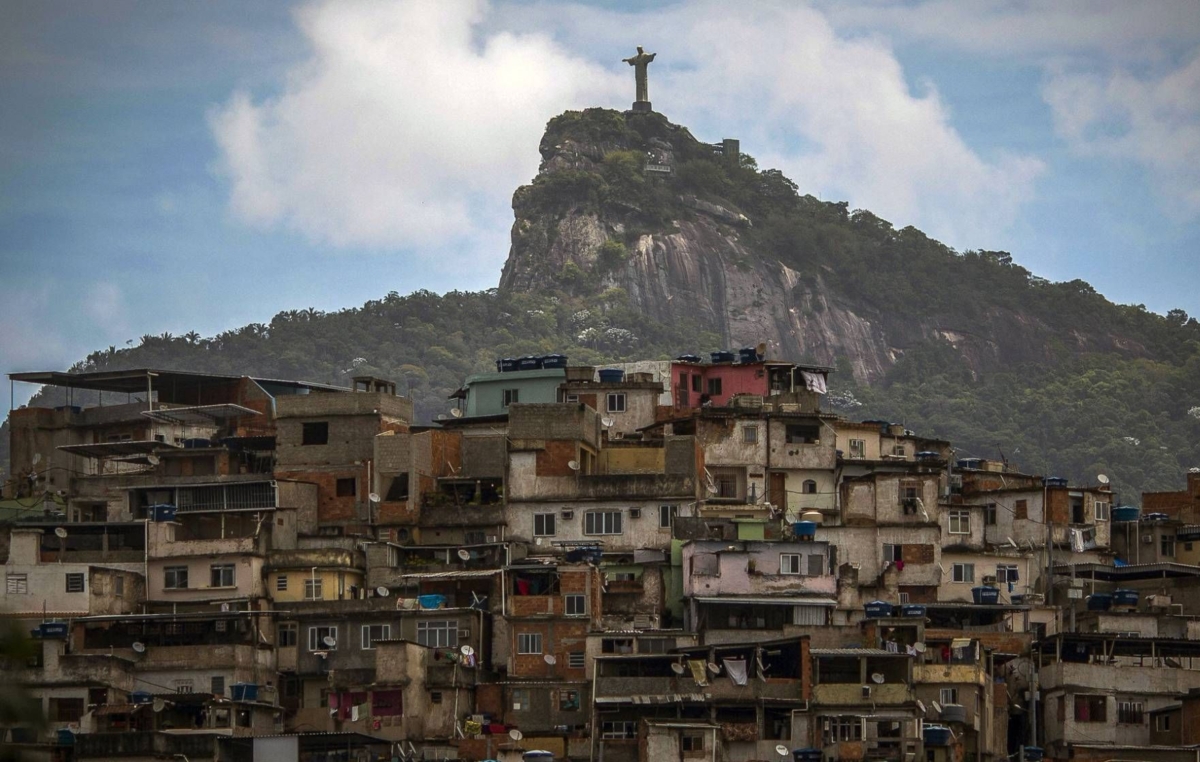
(176, 167)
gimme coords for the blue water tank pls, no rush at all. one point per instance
(986, 595)
(878, 609)
(64, 737)
(52, 630)
(805, 528)
(1099, 602)
(431, 601)
(937, 735)
(913, 610)
(164, 512)
(1126, 513)
(611, 375)
(554, 361)
(529, 362)
(244, 691)
(1125, 597)
(141, 697)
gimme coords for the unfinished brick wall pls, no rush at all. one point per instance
(553, 460)
(559, 637)
(330, 507)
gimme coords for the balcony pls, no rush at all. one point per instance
(963, 674)
(851, 694)
(624, 587)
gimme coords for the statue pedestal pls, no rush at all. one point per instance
(642, 106)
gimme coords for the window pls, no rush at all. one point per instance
(281, 583)
(221, 575)
(1021, 509)
(576, 660)
(1102, 510)
(16, 584)
(217, 685)
(616, 403)
(286, 634)
(666, 515)
(809, 487)
(858, 449)
(438, 633)
(374, 632)
(317, 635)
(520, 700)
(602, 522)
(543, 524)
(1162, 723)
(844, 729)
(696, 381)
(66, 709)
(816, 565)
(1006, 573)
(315, 433)
(714, 387)
(989, 515)
(948, 696)
(511, 397)
(789, 563)
(963, 573)
(568, 701)
(347, 487)
(1130, 712)
(175, 577)
(892, 553)
(616, 646)
(435, 697)
(75, 582)
(691, 742)
(903, 598)
(618, 729)
(750, 434)
(727, 486)
(313, 589)
(1166, 545)
(576, 605)
(184, 686)
(802, 433)
(1091, 708)
(529, 642)
(960, 522)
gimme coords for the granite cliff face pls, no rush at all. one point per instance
(685, 252)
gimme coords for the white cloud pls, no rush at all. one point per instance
(26, 340)
(1152, 120)
(411, 123)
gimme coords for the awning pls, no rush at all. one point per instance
(117, 449)
(737, 600)
(106, 709)
(960, 643)
(461, 574)
(198, 415)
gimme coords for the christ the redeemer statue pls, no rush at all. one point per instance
(639, 64)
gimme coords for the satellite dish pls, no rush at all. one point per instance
(919, 647)
(608, 422)
(1102, 478)
(760, 349)
(877, 678)
(441, 416)
(224, 607)
(329, 641)
(373, 497)
(573, 465)
(60, 533)
(456, 412)
(464, 554)
(549, 659)
(677, 668)
(714, 668)
(515, 734)
(782, 750)
(921, 706)
(153, 459)
(159, 705)
(382, 591)
(139, 647)
(937, 707)
(467, 650)
(711, 487)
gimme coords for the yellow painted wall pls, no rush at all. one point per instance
(297, 577)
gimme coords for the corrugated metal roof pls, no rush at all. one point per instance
(855, 652)
(780, 600)
(460, 574)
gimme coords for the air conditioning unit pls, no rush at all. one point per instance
(989, 579)
(567, 515)
(635, 513)
(616, 435)
(1147, 539)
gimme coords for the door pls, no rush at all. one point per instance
(778, 490)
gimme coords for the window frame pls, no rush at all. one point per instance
(750, 434)
(789, 562)
(667, 515)
(367, 639)
(575, 604)
(967, 575)
(859, 445)
(1131, 712)
(171, 577)
(346, 486)
(510, 397)
(526, 641)
(1007, 573)
(292, 632)
(543, 519)
(316, 639)
(16, 583)
(952, 693)
(219, 569)
(989, 514)
(1088, 702)
(444, 633)
(314, 589)
(714, 386)
(893, 552)
(1103, 510)
(958, 517)
(616, 402)
(76, 582)
(610, 522)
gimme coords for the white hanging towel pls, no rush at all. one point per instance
(815, 382)
(736, 669)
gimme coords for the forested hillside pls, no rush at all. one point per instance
(611, 263)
